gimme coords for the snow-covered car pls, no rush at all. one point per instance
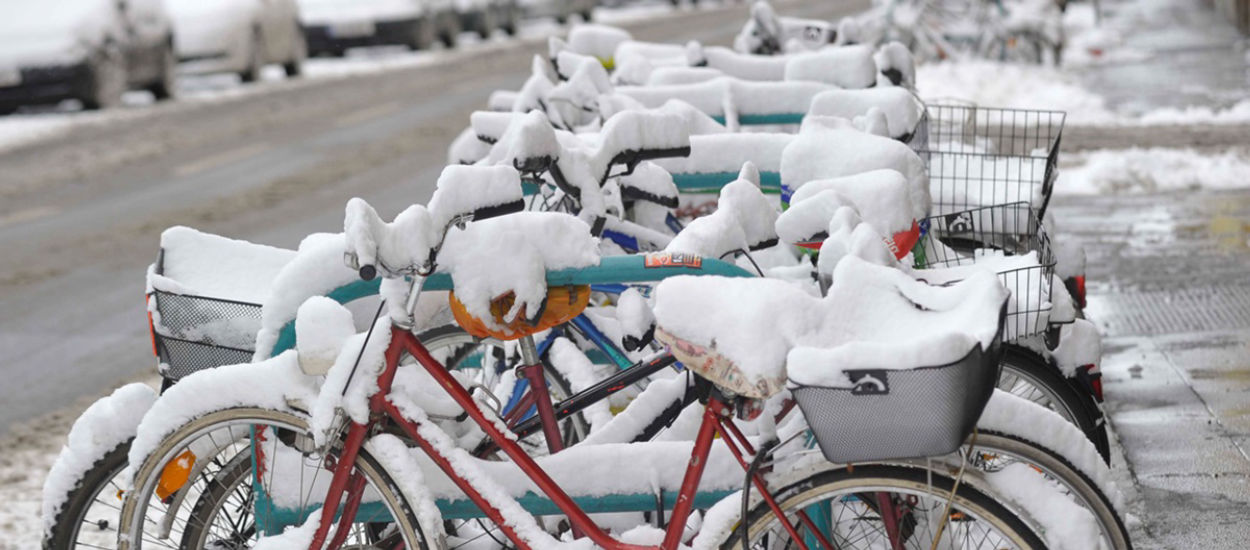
(561, 10)
(332, 26)
(484, 16)
(238, 36)
(90, 50)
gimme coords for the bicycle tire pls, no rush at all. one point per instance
(147, 475)
(1075, 405)
(66, 528)
(875, 478)
(1061, 470)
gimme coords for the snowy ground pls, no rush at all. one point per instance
(1152, 170)
(1111, 71)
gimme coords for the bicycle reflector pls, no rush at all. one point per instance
(1090, 375)
(175, 474)
(1076, 287)
(151, 324)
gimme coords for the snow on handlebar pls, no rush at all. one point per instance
(411, 242)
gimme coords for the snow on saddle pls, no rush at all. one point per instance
(741, 333)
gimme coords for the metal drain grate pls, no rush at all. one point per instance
(1178, 310)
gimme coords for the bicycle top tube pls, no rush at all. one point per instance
(642, 268)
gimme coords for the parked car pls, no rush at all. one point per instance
(484, 16)
(561, 10)
(90, 50)
(238, 36)
(332, 26)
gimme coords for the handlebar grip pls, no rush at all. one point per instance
(368, 272)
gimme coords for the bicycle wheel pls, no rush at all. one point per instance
(845, 506)
(88, 518)
(995, 451)
(285, 489)
(1025, 374)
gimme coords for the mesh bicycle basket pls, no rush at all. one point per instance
(982, 156)
(901, 413)
(991, 235)
(192, 333)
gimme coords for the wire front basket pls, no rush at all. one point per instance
(193, 333)
(983, 156)
(1008, 239)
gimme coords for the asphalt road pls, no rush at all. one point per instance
(81, 214)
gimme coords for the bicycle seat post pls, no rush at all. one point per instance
(531, 369)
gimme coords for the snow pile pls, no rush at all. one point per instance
(1028, 311)
(880, 197)
(401, 244)
(725, 153)
(104, 426)
(665, 76)
(743, 66)
(1152, 170)
(526, 141)
(857, 325)
(895, 64)
(870, 307)
(1238, 113)
(637, 320)
(1011, 414)
(724, 96)
(744, 220)
(850, 67)
(1066, 525)
(1018, 86)
(570, 104)
(712, 324)
(650, 183)
(830, 148)
(512, 254)
(465, 190)
(316, 270)
(849, 237)
(322, 326)
(202, 264)
(600, 41)
(902, 109)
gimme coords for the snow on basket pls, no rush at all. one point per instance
(206, 292)
(1007, 239)
(869, 399)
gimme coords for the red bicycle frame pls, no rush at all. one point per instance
(717, 421)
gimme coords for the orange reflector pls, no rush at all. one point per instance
(151, 327)
(175, 474)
